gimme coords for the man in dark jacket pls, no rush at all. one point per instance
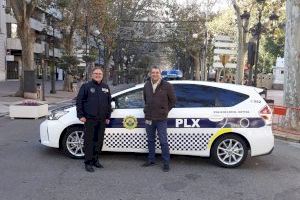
(159, 99)
(93, 109)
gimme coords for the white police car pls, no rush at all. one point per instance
(173, 74)
(217, 120)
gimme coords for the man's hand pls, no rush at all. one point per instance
(83, 119)
(107, 121)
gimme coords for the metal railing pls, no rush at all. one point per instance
(280, 114)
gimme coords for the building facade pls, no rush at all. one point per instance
(2, 42)
(10, 45)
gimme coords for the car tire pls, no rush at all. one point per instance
(72, 142)
(229, 151)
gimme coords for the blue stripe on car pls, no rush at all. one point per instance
(203, 123)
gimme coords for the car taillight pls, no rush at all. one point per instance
(266, 114)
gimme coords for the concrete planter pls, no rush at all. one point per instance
(28, 111)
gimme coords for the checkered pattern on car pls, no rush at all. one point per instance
(177, 141)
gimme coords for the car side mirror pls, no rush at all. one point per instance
(113, 105)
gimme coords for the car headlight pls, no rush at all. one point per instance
(55, 115)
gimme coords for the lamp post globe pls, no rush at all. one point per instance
(245, 16)
(273, 18)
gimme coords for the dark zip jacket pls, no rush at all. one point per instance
(94, 101)
(158, 104)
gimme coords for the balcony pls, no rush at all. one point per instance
(57, 32)
(15, 44)
(36, 25)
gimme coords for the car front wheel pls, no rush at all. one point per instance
(72, 143)
(229, 151)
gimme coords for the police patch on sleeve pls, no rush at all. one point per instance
(130, 122)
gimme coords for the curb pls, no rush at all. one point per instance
(285, 138)
(4, 114)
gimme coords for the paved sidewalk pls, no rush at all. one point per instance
(281, 132)
(8, 89)
(288, 135)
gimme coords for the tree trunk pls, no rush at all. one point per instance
(22, 12)
(239, 76)
(107, 62)
(68, 83)
(203, 65)
(292, 64)
(27, 39)
(218, 74)
(196, 57)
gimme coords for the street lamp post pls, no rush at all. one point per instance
(245, 21)
(256, 31)
(86, 40)
(273, 18)
(43, 78)
(53, 69)
(204, 54)
(97, 39)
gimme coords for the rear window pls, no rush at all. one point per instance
(189, 95)
(228, 98)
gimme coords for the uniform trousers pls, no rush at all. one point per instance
(93, 139)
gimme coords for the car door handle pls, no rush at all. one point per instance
(216, 118)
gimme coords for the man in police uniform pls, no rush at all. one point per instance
(159, 97)
(93, 109)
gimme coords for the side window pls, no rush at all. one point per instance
(133, 99)
(227, 98)
(189, 95)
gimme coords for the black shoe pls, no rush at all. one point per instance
(89, 168)
(97, 164)
(148, 164)
(166, 168)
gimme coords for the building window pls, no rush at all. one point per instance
(12, 30)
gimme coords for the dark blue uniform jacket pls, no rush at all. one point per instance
(94, 101)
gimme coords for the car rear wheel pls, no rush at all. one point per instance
(72, 143)
(229, 151)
